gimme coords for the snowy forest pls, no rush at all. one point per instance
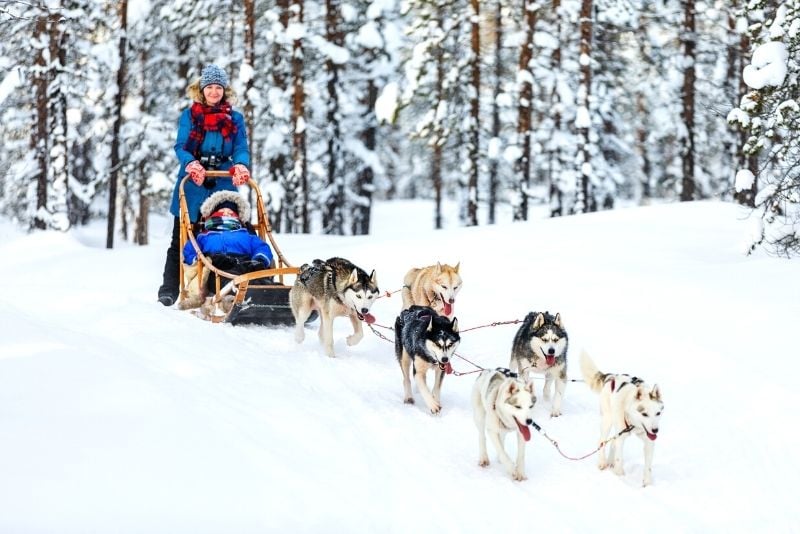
(568, 105)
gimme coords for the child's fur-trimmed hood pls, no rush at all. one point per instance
(207, 207)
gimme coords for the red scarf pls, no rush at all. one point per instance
(207, 118)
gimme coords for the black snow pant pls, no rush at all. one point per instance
(170, 283)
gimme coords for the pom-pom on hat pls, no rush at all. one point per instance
(226, 199)
(213, 74)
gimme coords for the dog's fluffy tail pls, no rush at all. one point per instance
(398, 337)
(591, 374)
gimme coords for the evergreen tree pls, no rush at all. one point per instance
(769, 112)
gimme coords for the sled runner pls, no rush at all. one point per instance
(259, 297)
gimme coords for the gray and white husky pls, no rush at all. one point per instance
(336, 288)
(626, 402)
(425, 340)
(540, 346)
(503, 403)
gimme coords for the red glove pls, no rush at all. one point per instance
(196, 172)
(240, 174)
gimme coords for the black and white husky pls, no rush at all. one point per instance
(540, 346)
(425, 340)
(627, 406)
(503, 403)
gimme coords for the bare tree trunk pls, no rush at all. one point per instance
(474, 112)
(115, 159)
(57, 117)
(641, 140)
(364, 181)
(583, 204)
(555, 193)
(332, 219)
(40, 138)
(437, 140)
(498, 74)
(250, 59)
(522, 166)
(277, 163)
(141, 229)
(298, 177)
(688, 37)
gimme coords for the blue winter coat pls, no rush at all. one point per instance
(213, 143)
(238, 242)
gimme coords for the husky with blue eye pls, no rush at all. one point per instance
(627, 406)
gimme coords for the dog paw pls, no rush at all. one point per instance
(518, 476)
(483, 462)
(408, 401)
(618, 470)
(435, 409)
(299, 336)
(602, 465)
(555, 413)
(354, 339)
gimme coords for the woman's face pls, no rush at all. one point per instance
(213, 93)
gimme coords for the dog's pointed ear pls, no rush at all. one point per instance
(353, 277)
(373, 278)
(558, 322)
(539, 321)
(438, 266)
(457, 266)
(430, 323)
(529, 387)
(455, 325)
(655, 393)
(512, 387)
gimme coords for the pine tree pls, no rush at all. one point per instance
(771, 115)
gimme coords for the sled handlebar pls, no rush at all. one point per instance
(218, 174)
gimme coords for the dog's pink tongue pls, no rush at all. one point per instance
(448, 308)
(369, 318)
(524, 430)
(550, 359)
(651, 436)
(448, 368)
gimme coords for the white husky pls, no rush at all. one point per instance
(503, 403)
(626, 402)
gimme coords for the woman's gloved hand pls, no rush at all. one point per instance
(196, 172)
(240, 174)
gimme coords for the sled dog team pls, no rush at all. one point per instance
(426, 337)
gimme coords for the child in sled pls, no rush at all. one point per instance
(227, 242)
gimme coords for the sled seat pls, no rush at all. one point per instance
(254, 300)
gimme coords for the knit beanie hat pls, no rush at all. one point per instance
(226, 199)
(227, 204)
(213, 74)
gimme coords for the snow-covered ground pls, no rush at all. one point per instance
(119, 415)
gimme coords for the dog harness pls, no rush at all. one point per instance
(508, 373)
(625, 381)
